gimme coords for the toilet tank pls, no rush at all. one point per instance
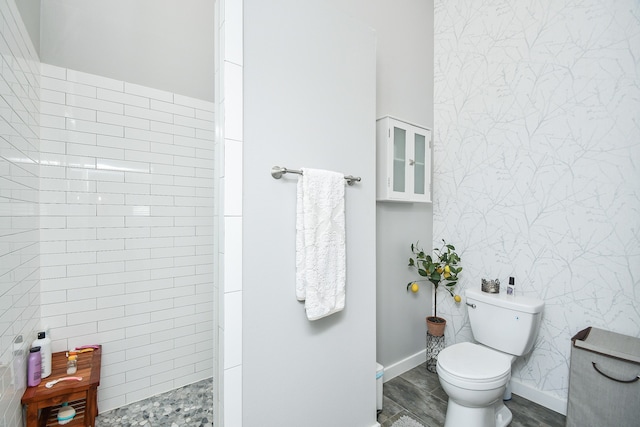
(508, 323)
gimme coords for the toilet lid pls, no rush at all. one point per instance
(474, 362)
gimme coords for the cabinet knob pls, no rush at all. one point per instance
(412, 162)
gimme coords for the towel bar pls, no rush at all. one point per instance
(278, 171)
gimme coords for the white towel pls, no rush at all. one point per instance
(320, 242)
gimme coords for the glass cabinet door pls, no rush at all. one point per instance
(420, 147)
(399, 159)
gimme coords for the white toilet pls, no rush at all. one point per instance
(475, 376)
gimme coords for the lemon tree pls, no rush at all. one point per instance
(441, 269)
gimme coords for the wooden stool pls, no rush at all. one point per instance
(43, 403)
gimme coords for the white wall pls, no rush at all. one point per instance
(537, 142)
(309, 100)
(164, 44)
(404, 89)
(19, 234)
(127, 230)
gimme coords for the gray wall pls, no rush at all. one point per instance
(404, 64)
(309, 100)
(164, 44)
(404, 32)
(401, 315)
(30, 13)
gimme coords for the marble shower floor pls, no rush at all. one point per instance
(191, 405)
(417, 393)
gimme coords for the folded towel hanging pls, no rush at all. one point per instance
(320, 242)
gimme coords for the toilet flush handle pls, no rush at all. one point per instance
(471, 305)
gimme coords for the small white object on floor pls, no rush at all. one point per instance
(406, 421)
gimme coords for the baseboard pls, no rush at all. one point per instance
(404, 365)
(376, 425)
(540, 397)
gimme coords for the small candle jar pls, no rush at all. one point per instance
(72, 365)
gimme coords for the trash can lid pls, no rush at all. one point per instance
(608, 343)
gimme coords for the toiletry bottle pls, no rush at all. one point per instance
(44, 342)
(72, 364)
(19, 372)
(34, 368)
(511, 288)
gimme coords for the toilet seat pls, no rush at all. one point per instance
(473, 367)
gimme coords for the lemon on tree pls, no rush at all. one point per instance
(447, 271)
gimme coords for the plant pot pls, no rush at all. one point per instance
(436, 325)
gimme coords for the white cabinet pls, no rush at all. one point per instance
(404, 161)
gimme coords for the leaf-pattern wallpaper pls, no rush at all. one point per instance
(537, 164)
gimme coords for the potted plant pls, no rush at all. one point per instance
(441, 269)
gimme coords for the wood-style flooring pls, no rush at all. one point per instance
(417, 393)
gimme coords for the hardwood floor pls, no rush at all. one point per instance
(417, 393)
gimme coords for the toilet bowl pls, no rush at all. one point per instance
(474, 377)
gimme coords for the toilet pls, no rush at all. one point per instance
(475, 376)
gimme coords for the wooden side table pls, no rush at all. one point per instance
(43, 403)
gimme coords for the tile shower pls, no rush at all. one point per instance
(126, 205)
(107, 223)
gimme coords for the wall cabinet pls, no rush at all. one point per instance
(404, 161)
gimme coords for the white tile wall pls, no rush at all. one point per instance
(128, 241)
(19, 234)
(228, 218)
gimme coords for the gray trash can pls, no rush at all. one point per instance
(604, 385)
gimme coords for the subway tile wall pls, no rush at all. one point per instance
(127, 230)
(19, 229)
(229, 90)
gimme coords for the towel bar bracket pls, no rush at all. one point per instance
(278, 171)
